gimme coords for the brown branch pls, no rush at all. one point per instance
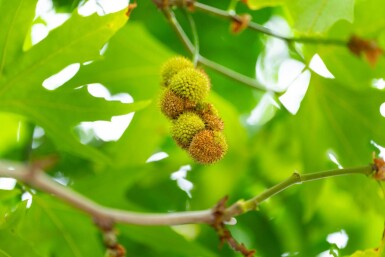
(105, 217)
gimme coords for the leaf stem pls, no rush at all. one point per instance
(105, 215)
(257, 27)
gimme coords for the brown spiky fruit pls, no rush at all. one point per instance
(208, 146)
(190, 84)
(213, 122)
(173, 105)
(186, 127)
(210, 116)
(172, 67)
(204, 107)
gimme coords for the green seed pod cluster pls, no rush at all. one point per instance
(196, 125)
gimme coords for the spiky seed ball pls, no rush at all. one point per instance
(210, 116)
(172, 105)
(190, 84)
(201, 70)
(213, 122)
(208, 146)
(172, 67)
(185, 127)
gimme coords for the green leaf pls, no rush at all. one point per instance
(13, 218)
(331, 120)
(12, 135)
(165, 241)
(258, 4)
(381, 250)
(332, 117)
(15, 23)
(58, 111)
(131, 65)
(8, 194)
(70, 233)
(368, 18)
(12, 245)
(366, 253)
(312, 17)
(74, 106)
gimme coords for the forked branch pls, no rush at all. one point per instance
(206, 62)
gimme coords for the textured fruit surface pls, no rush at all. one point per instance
(172, 67)
(190, 84)
(213, 122)
(208, 146)
(186, 127)
(210, 116)
(172, 105)
(203, 108)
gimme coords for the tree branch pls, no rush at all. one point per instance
(39, 180)
(104, 215)
(241, 207)
(206, 62)
(257, 27)
(231, 15)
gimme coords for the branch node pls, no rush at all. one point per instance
(113, 248)
(104, 223)
(369, 48)
(130, 8)
(378, 167)
(224, 234)
(297, 176)
(240, 23)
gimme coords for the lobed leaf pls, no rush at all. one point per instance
(22, 75)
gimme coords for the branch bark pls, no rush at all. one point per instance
(104, 215)
(259, 28)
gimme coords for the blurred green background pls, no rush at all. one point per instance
(338, 120)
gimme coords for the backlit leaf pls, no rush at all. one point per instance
(23, 73)
(312, 17)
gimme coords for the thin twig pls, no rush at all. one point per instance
(202, 60)
(195, 36)
(241, 207)
(179, 30)
(39, 180)
(257, 27)
(232, 74)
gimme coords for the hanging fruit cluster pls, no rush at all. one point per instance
(196, 126)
